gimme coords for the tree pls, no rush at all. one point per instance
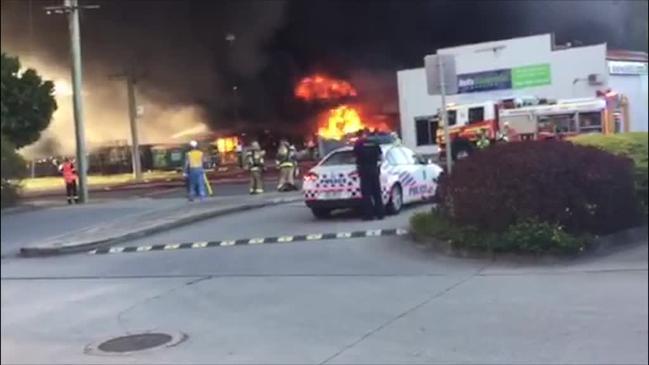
(27, 103)
(13, 169)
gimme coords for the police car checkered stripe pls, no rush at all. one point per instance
(253, 241)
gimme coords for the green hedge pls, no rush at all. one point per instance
(533, 176)
(633, 145)
(528, 236)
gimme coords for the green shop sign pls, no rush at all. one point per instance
(530, 76)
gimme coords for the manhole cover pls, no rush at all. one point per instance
(125, 345)
(143, 341)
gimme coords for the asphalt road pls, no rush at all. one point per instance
(364, 300)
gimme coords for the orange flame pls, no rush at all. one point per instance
(320, 87)
(342, 120)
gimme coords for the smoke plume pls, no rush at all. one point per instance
(185, 74)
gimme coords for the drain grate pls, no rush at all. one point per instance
(139, 342)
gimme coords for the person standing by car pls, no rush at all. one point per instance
(69, 173)
(368, 156)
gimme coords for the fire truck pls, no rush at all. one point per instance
(532, 118)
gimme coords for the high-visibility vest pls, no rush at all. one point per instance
(69, 172)
(195, 159)
(483, 143)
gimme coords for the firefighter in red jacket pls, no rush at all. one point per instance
(70, 177)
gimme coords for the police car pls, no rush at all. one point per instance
(334, 182)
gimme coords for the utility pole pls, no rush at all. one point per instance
(135, 141)
(131, 80)
(71, 8)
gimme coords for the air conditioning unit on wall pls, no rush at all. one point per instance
(595, 79)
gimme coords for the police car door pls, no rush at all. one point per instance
(405, 170)
(416, 183)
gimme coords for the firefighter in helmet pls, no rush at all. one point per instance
(254, 161)
(483, 140)
(286, 161)
(296, 169)
(506, 133)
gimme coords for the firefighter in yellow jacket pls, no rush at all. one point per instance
(287, 163)
(254, 162)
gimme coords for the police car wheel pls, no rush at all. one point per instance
(396, 200)
(321, 213)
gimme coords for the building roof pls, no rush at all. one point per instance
(625, 55)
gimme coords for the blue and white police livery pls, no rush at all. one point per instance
(334, 182)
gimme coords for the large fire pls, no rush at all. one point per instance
(344, 120)
(320, 87)
(341, 120)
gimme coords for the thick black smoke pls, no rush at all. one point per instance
(179, 47)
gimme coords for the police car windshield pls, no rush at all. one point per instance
(340, 158)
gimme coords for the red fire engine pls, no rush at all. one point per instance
(533, 119)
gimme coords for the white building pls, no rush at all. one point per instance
(528, 66)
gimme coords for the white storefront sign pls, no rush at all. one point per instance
(627, 68)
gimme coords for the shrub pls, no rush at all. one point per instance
(13, 168)
(537, 237)
(529, 236)
(632, 145)
(583, 189)
(438, 225)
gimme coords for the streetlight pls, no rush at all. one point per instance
(230, 38)
(235, 101)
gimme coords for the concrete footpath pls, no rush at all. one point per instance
(125, 220)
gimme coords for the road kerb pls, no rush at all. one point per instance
(285, 239)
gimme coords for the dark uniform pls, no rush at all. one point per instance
(368, 154)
